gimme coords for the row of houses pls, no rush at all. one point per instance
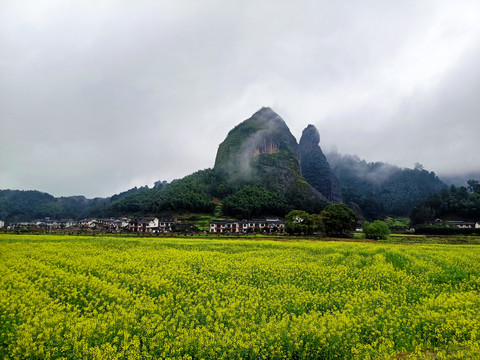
(45, 224)
(151, 225)
(112, 225)
(148, 225)
(467, 224)
(458, 223)
(273, 225)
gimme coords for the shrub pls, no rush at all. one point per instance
(377, 230)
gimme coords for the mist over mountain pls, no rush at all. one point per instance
(262, 151)
(381, 189)
(459, 179)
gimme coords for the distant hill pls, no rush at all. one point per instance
(16, 205)
(382, 189)
(20, 205)
(454, 203)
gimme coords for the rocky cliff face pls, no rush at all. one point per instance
(315, 168)
(262, 151)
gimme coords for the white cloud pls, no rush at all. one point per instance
(99, 96)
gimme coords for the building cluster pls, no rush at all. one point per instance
(246, 226)
(45, 224)
(111, 225)
(458, 223)
(149, 225)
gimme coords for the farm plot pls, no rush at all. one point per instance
(119, 298)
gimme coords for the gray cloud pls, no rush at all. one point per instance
(100, 96)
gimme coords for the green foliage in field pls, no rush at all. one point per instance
(299, 222)
(338, 220)
(118, 298)
(377, 230)
(398, 224)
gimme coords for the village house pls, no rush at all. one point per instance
(228, 227)
(269, 225)
(151, 225)
(165, 225)
(112, 225)
(143, 225)
(88, 223)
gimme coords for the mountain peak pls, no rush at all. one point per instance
(314, 165)
(266, 115)
(262, 150)
(265, 110)
(310, 136)
(263, 133)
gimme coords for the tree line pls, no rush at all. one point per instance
(336, 220)
(454, 203)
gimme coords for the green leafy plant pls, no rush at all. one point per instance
(377, 230)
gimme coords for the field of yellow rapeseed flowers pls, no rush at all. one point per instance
(147, 298)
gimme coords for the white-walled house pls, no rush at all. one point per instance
(269, 225)
(465, 224)
(151, 225)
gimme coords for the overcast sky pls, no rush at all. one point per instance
(98, 96)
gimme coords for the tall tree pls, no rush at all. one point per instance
(299, 222)
(338, 220)
(474, 186)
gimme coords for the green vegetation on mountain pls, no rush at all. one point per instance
(261, 151)
(315, 168)
(16, 205)
(381, 189)
(453, 203)
(254, 201)
(193, 193)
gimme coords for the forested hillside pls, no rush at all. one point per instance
(453, 204)
(382, 189)
(201, 191)
(18, 206)
(192, 193)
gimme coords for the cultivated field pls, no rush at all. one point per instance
(132, 298)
